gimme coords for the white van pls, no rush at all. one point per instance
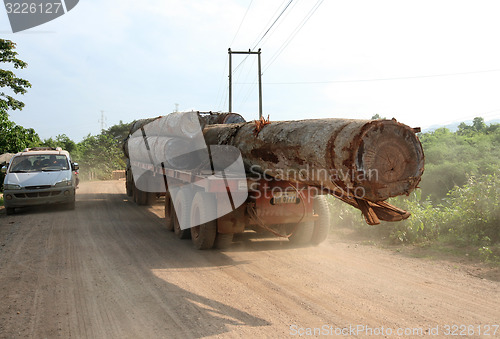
(39, 176)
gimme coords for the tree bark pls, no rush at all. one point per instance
(366, 159)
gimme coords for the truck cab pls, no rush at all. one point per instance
(39, 176)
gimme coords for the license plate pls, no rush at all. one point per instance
(284, 198)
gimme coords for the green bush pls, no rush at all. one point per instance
(469, 217)
(473, 211)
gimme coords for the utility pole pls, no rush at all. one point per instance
(231, 78)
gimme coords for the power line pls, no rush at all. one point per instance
(265, 32)
(375, 79)
(241, 23)
(280, 22)
(225, 64)
(248, 74)
(293, 34)
(269, 22)
(279, 16)
(242, 61)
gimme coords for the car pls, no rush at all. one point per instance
(40, 176)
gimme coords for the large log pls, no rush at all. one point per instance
(366, 159)
(172, 152)
(177, 125)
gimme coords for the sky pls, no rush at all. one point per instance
(424, 63)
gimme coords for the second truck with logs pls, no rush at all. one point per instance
(221, 175)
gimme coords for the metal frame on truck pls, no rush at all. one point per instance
(285, 209)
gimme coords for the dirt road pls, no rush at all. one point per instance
(110, 270)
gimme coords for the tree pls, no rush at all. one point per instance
(63, 141)
(377, 116)
(8, 78)
(100, 154)
(464, 129)
(478, 124)
(118, 132)
(13, 138)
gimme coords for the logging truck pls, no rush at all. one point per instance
(287, 169)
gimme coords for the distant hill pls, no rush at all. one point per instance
(454, 125)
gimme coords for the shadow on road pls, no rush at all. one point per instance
(144, 255)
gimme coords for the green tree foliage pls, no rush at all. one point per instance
(63, 141)
(119, 131)
(99, 155)
(8, 79)
(13, 138)
(377, 116)
(451, 158)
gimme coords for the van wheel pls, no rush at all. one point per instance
(9, 210)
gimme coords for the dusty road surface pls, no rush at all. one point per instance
(110, 270)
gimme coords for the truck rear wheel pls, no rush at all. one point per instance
(322, 224)
(182, 205)
(204, 208)
(129, 184)
(143, 198)
(139, 196)
(223, 240)
(302, 234)
(169, 213)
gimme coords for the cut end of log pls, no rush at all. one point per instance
(391, 159)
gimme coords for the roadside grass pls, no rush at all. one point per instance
(1, 199)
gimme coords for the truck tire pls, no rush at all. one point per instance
(9, 210)
(129, 185)
(302, 234)
(322, 224)
(182, 205)
(203, 208)
(151, 198)
(223, 240)
(142, 198)
(139, 197)
(169, 213)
